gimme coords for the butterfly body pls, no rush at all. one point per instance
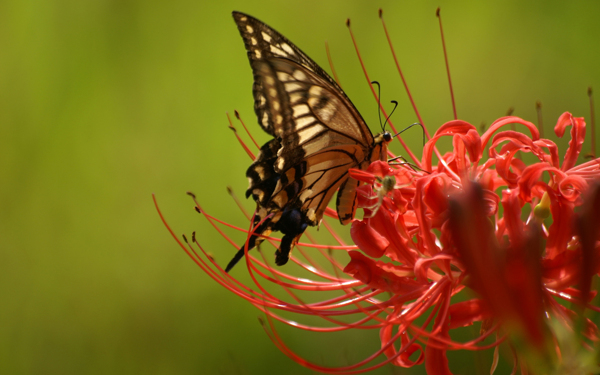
(317, 136)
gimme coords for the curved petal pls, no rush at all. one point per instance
(571, 187)
(530, 177)
(465, 313)
(577, 137)
(448, 129)
(368, 239)
(552, 149)
(371, 273)
(535, 133)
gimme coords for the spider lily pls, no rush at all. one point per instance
(480, 238)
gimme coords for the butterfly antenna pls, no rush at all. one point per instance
(410, 126)
(395, 103)
(378, 102)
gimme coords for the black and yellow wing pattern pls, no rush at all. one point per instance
(317, 136)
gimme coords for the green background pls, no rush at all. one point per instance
(103, 103)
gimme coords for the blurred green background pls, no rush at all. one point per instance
(104, 102)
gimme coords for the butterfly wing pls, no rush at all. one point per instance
(322, 135)
(318, 135)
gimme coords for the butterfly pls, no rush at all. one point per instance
(317, 133)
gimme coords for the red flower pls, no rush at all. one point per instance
(482, 220)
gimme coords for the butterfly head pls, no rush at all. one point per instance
(386, 137)
(379, 150)
(383, 138)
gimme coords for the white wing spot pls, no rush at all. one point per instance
(299, 75)
(260, 171)
(273, 92)
(261, 99)
(257, 54)
(266, 36)
(309, 132)
(286, 47)
(259, 193)
(295, 98)
(305, 194)
(243, 18)
(323, 105)
(265, 119)
(304, 122)
(300, 110)
(279, 199)
(253, 40)
(270, 80)
(292, 86)
(315, 91)
(279, 119)
(249, 29)
(283, 76)
(280, 163)
(277, 51)
(276, 105)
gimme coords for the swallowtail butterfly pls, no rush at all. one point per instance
(317, 136)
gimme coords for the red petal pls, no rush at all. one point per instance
(368, 239)
(479, 252)
(422, 265)
(552, 148)
(531, 177)
(465, 313)
(362, 176)
(561, 271)
(436, 362)
(588, 223)
(448, 129)
(371, 274)
(535, 133)
(404, 359)
(509, 167)
(571, 187)
(561, 230)
(512, 217)
(577, 137)
(380, 168)
(385, 222)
